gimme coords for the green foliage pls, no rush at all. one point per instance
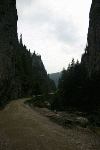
(41, 101)
(77, 90)
(57, 102)
(70, 84)
(51, 84)
(37, 88)
(33, 76)
(31, 73)
(55, 77)
(24, 68)
(38, 101)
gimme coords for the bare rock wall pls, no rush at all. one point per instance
(8, 48)
(94, 38)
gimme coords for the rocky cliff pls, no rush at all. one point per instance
(19, 70)
(8, 48)
(40, 73)
(38, 65)
(93, 53)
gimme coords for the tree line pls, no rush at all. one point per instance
(76, 89)
(32, 77)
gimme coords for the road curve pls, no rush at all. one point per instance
(22, 128)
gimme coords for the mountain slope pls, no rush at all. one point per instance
(55, 77)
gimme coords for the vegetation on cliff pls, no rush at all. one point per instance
(31, 74)
(55, 77)
(34, 78)
(77, 91)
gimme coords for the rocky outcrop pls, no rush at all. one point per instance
(40, 73)
(38, 67)
(8, 48)
(93, 52)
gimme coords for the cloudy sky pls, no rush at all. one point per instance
(55, 29)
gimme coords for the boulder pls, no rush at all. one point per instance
(82, 121)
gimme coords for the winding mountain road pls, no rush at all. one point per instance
(22, 128)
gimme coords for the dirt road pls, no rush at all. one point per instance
(22, 128)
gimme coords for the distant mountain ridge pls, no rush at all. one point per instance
(55, 77)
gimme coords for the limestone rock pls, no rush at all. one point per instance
(9, 79)
(82, 121)
(93, 53)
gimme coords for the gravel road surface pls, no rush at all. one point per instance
(22, 128)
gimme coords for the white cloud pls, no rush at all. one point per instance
(55, 29)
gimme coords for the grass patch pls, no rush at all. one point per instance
(40, 101)
(36, 102)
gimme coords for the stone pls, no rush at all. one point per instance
(93, 39)
(82, 121)
(8, 49)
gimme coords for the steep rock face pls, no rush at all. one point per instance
(39, 70)
(38, 65)
(47, 84)
(93, 52)
(8, 48)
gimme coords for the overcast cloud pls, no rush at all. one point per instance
(55, 29)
